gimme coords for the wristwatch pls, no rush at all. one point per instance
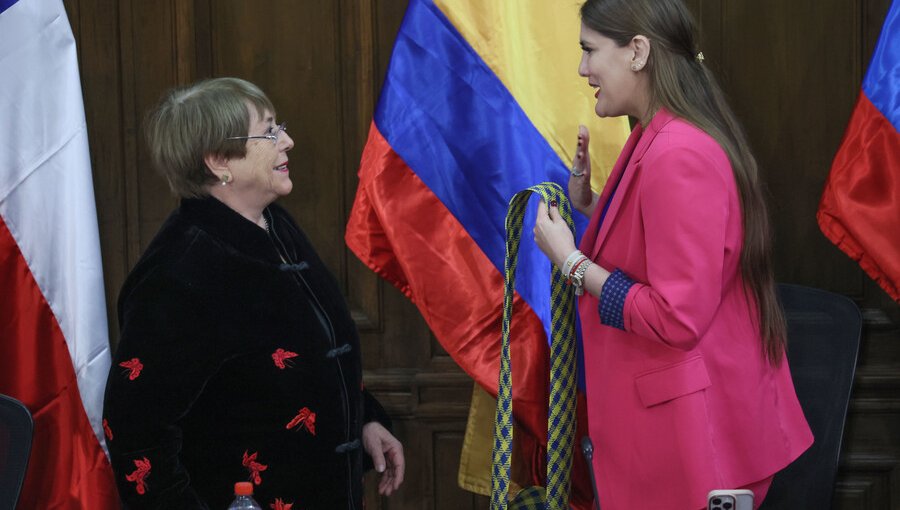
(578, 277)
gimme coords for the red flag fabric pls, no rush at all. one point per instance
(860, 207)
(460, 127)
(54, 349)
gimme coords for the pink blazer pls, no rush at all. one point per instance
(682, 401)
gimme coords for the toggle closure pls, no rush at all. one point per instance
(294, 267)
(347, 447)
(338, 351)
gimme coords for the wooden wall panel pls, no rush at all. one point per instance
(792, 70)
(98, 55)
(154, 70)
(358, 66)
(794, 87)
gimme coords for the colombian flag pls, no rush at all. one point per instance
(860, 208)
(481, 100)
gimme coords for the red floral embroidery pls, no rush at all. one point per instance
(134, 367)
(306, 418)
(142, 471)
(254, 467)
(106, 430)
(280, 505)
(282, 358)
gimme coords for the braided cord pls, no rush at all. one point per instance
(561, 418)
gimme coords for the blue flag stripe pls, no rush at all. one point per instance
(882, 82)
(459, 129)
(6, 4)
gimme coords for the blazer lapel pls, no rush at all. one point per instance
(625, 170)
(589, 240)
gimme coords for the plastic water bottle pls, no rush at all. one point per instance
(243, 497)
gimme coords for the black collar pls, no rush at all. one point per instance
(224, 223)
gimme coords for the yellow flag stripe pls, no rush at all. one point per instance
(532, 47)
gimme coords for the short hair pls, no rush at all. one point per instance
(190, 122)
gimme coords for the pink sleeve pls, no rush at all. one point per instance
(684, 203)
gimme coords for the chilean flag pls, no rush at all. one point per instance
(54, 349)
(860, 207)
(481, 100)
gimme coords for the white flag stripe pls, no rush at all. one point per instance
(46, 190)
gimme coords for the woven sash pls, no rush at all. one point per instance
(561, 418)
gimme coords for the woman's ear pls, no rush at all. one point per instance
(640, 45)
(218, 165)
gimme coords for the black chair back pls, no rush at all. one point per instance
(16, 429)
(823, 341)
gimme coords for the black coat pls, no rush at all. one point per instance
(237, 360)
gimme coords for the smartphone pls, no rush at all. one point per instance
(736, 499)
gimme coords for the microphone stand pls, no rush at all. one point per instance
(587, 448)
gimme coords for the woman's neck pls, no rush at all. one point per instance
(648, 115)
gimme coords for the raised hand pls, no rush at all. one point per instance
(583, 199)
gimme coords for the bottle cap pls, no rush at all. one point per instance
(243, 489)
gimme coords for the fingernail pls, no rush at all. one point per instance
(553, 203)
(380, 469)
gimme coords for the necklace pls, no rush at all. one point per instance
(265, 224)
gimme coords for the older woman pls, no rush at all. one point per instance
(237, 359)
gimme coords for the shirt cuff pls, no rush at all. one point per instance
(612, 299)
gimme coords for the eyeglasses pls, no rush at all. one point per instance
(271, 136)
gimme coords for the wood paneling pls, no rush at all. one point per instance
(796, 85)
(364, 288)
(791, 68)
